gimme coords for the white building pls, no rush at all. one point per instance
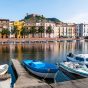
(82, 30)
(67, 30)
(11, 27)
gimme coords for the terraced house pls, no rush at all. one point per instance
(37, 22)
(18, 25)
(82, 30)
(65, 30)
(4, 27)
(4, 24)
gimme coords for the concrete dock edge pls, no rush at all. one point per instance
(25, 80)
(79, 83)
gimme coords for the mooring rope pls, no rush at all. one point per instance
(46, 75)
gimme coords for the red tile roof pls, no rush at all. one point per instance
(4, 19)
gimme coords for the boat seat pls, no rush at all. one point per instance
(28, 61)
(38, 64)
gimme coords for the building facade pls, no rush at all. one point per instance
(11, 27)
(19, 25)
(66, 30)
(4, 24)
(82, 30)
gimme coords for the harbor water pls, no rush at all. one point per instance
(52, 52)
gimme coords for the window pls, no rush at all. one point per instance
(79, 58)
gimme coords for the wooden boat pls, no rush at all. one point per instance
(3, 69)
(75, 68)
(41, 69)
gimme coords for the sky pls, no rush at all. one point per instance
(66, 10)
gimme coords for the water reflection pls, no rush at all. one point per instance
(60, 76)
(48, 52)
(4, 54)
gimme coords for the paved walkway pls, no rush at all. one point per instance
(5, 83)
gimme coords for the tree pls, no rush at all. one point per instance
(41, 30)
(15, 31)
(5, 32)
(49, 30)
(33, 31)
(24, 32)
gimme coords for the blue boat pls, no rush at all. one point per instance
(41, 69)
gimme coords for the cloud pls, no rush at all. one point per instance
(78, 18)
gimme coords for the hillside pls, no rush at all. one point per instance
(53, 19)
(38, 18)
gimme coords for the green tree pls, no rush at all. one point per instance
(5, 32)
(41, 30)
(33, 31)
(49, 30)
(15, 31)
(24, 32)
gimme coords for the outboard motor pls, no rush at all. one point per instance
(70, 55)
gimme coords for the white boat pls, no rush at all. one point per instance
(3, 69)
(75, 68)
(80, 58)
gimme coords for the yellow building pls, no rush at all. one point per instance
(19, 25)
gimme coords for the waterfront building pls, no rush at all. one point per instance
(39, 23)
(71, 30)
(59, 29)
(56, 32)
(52, 25)
(11, 27)
(82, 30)
(19, 25)
(4, 24)
(66, 30)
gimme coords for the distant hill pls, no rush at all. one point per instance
(53, 19)
(38, 18)
(34, 17)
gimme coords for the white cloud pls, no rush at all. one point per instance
(78, 18)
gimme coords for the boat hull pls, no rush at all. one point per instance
(3, 69)
(44, 75)
(73, 71)
(40, 74)
(70, 74)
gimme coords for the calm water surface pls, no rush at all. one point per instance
(47, 52)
